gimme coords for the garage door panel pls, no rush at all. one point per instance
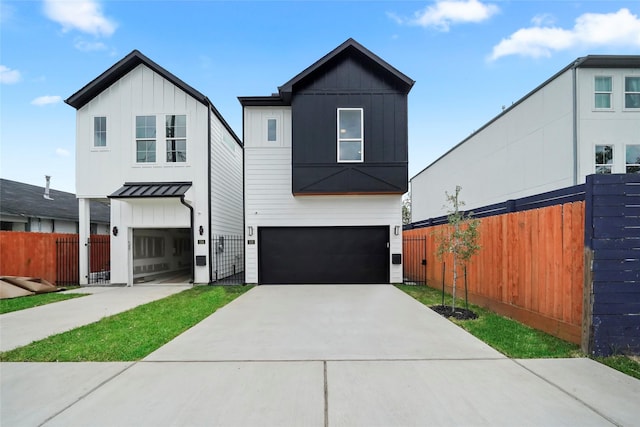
(323, 254)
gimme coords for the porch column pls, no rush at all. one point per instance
(84, 229)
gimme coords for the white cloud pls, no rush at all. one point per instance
(86, 46)
(543, 19)
(46, 100)
(9, 76)
(621, 28)
(81, 15)
(61, 152)
(444, 13)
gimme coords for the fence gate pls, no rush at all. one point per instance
(67, 263)
(414, 249)
(227, 260)
(99, 259)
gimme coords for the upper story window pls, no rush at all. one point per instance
(350, 135)
(633, 158)
(176, 134)
(99, 131)
(145, 139)
(632, 92)
(272, 130)
(603, 88)
(604, 158)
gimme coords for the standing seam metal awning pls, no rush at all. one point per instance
(151, 189)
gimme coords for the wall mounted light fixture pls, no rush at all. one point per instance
(251, 230)
(396, 230)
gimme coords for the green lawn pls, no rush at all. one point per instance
(512, 338)
(21, 303)
(130, 335)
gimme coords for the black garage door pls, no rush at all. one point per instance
(323, 255)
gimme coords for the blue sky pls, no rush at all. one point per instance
(468, 58)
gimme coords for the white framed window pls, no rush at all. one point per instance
(604, 159)
(99, 132)
(176, 134)
(603, 88)
(632, 158)
(350, 135)
(272, 130)
(632, 92)
(145, 139)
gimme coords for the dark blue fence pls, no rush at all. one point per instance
(612, 243)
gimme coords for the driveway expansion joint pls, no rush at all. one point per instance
(568, 393)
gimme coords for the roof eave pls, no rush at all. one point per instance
(286, 89)
(121, 68)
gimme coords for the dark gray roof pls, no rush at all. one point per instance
(26, 200)
(151, 189)
(124, 66)
(351, 47)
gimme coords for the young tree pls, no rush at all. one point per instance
(460, 239)
(406, 209)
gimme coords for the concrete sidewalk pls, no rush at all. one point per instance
(22, 327)
(321, 355)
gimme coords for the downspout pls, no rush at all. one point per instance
(209, 192)
(575, 123)
(193, 249)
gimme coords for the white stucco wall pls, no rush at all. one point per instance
(529, 149)
(269, 201)
(617, 127)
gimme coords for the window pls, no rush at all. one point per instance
(350, 135)
(148, 247)
(272, 127)
(632, 92)
(145, 139)
(176, 133)
(99, 131)
(633, 159)
(602, 93)
(604, 158)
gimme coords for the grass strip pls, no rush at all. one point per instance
(623, 364)
(130, 335)
(514, 339)
(508, 336)
(22, 303)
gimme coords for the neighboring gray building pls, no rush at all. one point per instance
(583, 120)
(25, 207)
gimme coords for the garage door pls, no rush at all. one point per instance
(323, 255)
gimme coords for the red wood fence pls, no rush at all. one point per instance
(35, 254)
(530, 267)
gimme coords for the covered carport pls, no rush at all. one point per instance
(153, 227)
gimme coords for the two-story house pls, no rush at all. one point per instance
(325, 169)
(169, 164)
(583, 120)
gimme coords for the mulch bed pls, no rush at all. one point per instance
(459, 313)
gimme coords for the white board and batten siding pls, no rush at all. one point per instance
(226, 217)
(269, 201)
(102, 170)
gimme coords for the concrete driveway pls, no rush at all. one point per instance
(321, 356)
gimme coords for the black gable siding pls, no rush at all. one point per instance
(349, 82)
